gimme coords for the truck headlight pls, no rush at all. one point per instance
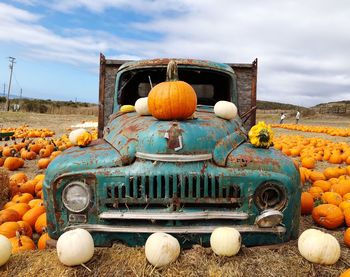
(76, 196)
(270, 195)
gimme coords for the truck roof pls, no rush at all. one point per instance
(188, 62)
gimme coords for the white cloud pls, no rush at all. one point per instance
(136, 5)
(302, 46)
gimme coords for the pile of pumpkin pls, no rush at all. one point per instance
(328, 198)
(24, 215)
(26, 132)
(333, 131)
(13, 156)
(311, 150)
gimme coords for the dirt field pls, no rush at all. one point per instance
(120, 260)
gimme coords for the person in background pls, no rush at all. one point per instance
(283, 116)
(297, 117)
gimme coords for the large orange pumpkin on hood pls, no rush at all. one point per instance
(172, 99)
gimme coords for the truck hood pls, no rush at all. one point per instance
(131, 133)
(98, 154)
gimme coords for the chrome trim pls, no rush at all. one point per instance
(269, 218)
(174, 157)
(173, 229)
(173, 215)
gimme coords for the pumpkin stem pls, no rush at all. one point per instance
(171, 72)
(18, 237)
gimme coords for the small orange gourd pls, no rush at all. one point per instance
(40, 223)
(32, 215)
(328, 215)
(307, 203)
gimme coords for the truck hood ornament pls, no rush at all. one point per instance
(174, 137)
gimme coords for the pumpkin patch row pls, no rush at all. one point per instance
(26, 132)
(333, 131)
(13, 156)
(311, 150)
(24, 215)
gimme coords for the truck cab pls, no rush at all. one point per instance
(183, 177)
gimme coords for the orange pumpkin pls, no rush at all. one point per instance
(346, 196)
(27, 187)
(316, 192)
(25, 229)
(173, 99)
(43, 163)
(330, 172)
(324, 185)
(8, 215)
(32, 215)
(13, 163)
(307, 203)
(347, 237)
(35, 202)
(344, 205)
(342, 187)
(28, 155)
(308, 162)
(16, 180)
(8, 229)
(316, 175)
(346, 212)
(9, 204)
(22, 198)
(21, 243)
(346, 273)
(20, 208)
(331, 198)
(40, 223)
(328, 215)
(43, 240)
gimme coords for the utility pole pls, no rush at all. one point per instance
(4, 89)
(12, 61)
(20, 95)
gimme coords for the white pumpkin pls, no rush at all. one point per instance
(75, 247)
(319, 247)
(225, 241)
(141, 106)
(73, 136)
(225, 109)
(5, 250)
(161, 249)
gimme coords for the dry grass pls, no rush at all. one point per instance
(120, 260)
(4, 186)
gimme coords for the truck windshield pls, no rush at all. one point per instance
(211, 86)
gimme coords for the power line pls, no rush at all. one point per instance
(12, 61)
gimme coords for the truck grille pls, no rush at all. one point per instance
(172, 189)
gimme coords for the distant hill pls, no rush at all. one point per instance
(52, 106)
(343, 102)
(267, 105)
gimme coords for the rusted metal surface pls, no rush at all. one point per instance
(247, 88)
(102, 91)
(207, 134)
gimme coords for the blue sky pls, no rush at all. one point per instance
(302, 46)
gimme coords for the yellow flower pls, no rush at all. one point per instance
(261, 135)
